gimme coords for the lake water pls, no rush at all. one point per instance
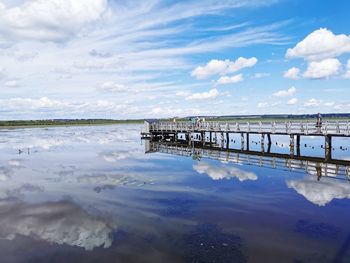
(91, 194)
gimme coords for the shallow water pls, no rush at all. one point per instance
(91, 194)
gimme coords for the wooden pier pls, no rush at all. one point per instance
(211, 132)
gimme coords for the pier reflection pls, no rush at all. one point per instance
(320, 167)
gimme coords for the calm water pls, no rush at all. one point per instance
(91, 194)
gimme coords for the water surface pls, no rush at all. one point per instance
(91, 194)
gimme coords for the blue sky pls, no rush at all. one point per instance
(136, 59)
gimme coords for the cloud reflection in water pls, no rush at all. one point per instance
(320, 192)
(222, 172)
(58, 222)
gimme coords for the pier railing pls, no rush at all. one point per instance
(337, 128)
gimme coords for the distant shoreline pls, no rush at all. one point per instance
(61, 123)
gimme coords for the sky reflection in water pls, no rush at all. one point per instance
(91, 194)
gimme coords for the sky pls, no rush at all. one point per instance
(151, 58)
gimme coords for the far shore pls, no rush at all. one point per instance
(62, 123)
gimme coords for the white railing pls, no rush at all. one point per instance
(304, 128)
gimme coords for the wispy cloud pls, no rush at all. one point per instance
(109, 50)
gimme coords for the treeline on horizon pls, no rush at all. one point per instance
(64, 122)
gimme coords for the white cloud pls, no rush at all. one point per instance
(183, 93)
(223, 172)
(313, 102)
(347, 73)
(285, 93)
(136, 43)
(11, 84)
(342, 106)
(320, 192)
(113, 87)
(262, 105)
(329, 104)
(292, 101)
(292, 73)
(49, 20)
(211, 94)
(2, 72)
(172, 111)
(322, 69)
(260, 75)
(229, 80)
(29, 103)
(49, 108)
(222, 67)
(319, 45)
(57, 222)
(213, 67)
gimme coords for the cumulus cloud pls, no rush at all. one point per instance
(320, 44)
(223, 172)
(211, 94)
(347, 73)
(11, 84)
(320, 192)
(53, 107)
(285, 93)
(313, 102)
(183, 93)
(322, 69)
(119, 41)
(2, 72)
(43, 102)
(57, 222)
(230, 80)
(292, 73)
(222, 67)
(49, 20)
(262, 105)
(292, 101)
(127, 44)
(113, 87)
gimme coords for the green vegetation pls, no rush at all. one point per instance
(63, 122)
